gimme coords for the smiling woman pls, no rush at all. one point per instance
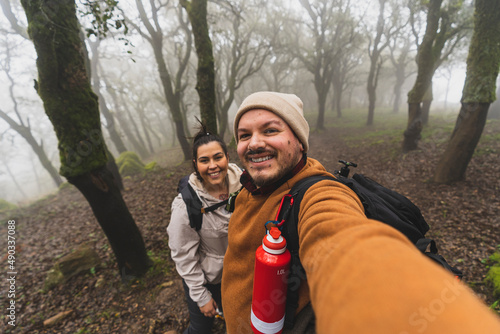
(198, 252)
(211, 165)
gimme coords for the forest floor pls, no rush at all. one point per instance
(464, 219)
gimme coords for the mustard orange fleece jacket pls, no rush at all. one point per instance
(363, 276)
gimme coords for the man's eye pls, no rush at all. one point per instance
(244, 136)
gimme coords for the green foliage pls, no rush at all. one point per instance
(151, 166)
(493, 275)
(495, 258)
(5, 205)
(103, 17)
(129, 163)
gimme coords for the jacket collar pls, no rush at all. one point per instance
(247, 181)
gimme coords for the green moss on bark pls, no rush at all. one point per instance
(483, 60)
(64, 86)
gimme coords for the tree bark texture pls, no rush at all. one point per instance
(73, 110)
(426, 105)
(106, 201)
(483, 64)
(454, 161)
(426, 66)
(64, 87)
(205, 74)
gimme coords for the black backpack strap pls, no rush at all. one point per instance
(193, 203)
(428, 247)
(290, 216)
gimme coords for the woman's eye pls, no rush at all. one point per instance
(269, 131)
(244, 136)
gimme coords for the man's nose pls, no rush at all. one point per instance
(255, 142)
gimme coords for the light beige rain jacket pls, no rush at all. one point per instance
(198, 255)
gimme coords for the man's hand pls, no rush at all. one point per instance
(209, 309)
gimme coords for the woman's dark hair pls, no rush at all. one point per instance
(203, 137)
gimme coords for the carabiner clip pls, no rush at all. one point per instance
(287, 208)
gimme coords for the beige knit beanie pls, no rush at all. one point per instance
(286, 106)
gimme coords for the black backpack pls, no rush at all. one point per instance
(379, 202)
(194, 206)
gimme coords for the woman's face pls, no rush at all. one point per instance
(212, 164)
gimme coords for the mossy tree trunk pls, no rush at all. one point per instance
(205, 74)
(483, 64)
(425, 63)
(73, 109)
(446, 27)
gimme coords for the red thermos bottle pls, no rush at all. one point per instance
(272, 263)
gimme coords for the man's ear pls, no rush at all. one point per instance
(301, 147)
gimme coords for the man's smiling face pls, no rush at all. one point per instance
(267, 147)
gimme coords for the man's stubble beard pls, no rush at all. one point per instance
(283, 168)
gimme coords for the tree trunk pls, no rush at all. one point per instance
(73, 110)
(397, 99)
(371, 105)
(337, 83)
(375, 64)
(426, 67)
(372, 91)
(463, 142)
(483, 64)
(426, 105)
(25, 132)
(107, 203)
(426, 109)
(139, 149)
(400, 79)
(205, 74)
(414, 127)
(135, 129)
(110, 120)
(172, 89)
(320, 123)
(173, 101)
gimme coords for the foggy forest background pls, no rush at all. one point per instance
(310, 48)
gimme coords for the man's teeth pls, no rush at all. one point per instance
(261, 159)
